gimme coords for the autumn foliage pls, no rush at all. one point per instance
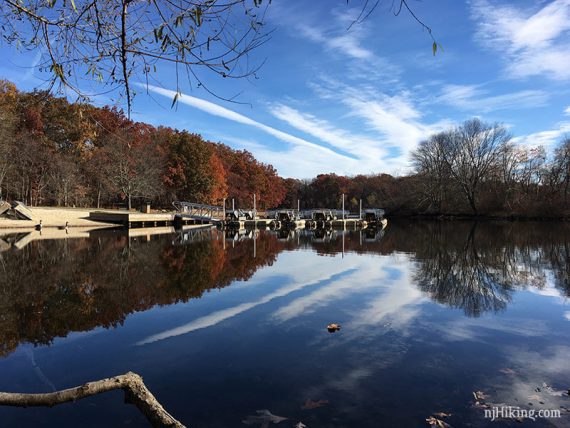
(53, 152)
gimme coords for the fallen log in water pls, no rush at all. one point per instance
(131, 383)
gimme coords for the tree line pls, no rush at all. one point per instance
(475, 169)
(53, 152)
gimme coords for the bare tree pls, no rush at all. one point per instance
(430, 162)
(132, 167)
(561, 167)
(473, 153)
(467, 155)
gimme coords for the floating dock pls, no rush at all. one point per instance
(136, 219)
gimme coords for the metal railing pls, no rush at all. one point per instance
(199, 211)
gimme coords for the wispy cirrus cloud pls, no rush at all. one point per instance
(396, 120)
(534, 42)
(339, 138)
(392, 128)
(223, 112)
(351, 45)
(549, 138)
(346, 43)
(475, 98)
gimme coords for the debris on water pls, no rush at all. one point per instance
(437, 422)
(480, 395)
(508, 371)
(551, 391)
(442, 415)
(333, 327)
(480, 398)
(263, 418)
(300, 425)
(310, 404)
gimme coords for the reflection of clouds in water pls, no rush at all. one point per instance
(395, 300)
(224, 314)
(311, 278)
(372, 335)
(351, 379)
(536, 377)
(567, 315)
(478, 329)
(550, 361)
(548, 289)
(398, 301)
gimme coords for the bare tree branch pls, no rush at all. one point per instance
(131, 383)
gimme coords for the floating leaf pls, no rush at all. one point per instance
(434, 48)
(333, 327)
(437, 422)
(300, 425)
(508, 371)
(442, 414)
(480, 395)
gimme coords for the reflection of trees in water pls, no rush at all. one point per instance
(460, 276)
(476, 267)
(50, 288)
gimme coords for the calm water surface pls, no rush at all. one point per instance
(221, 326)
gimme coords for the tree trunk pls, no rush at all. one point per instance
(131, 383)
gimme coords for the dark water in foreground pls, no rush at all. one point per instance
(220, 328)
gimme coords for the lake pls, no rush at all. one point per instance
(436, 317)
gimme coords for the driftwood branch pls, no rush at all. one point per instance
(131, 383)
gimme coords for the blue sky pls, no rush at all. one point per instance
(356, 101)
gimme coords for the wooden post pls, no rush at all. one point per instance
(343, 242)
(360, 213)
(254, 211)
(233, 206)
(343, 206)
(224, 210)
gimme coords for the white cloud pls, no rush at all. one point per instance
(549, 139)
(473, 98)
(335, 37)
(324, 131)
(567, 111)
(533, 42)
(396, 119)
